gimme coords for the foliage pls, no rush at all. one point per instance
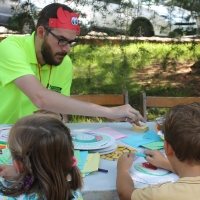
(134, 18)
(15, 22)
(22, 15)
(110, 69)
(125, 18)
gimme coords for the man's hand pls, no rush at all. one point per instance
(56, 115)
(63, 117)
(126, 113)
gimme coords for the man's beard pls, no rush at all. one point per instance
(48, 55)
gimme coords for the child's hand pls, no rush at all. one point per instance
(157, 159)
(8, 172)
(125, 161)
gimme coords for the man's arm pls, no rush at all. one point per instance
(124, 182)
(58, 103)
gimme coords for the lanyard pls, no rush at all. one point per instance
(41, 77)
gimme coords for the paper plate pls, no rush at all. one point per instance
(159, 122)
(107, 150)
(92, 140)
(151, 176)
(121, 149)
(4, 132)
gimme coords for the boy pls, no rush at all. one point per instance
(182, 143)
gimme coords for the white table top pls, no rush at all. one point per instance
(99, 185)
(99, 181)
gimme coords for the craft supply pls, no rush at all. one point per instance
(140, 154)
(92, 163)
(117, 135)
(154, 145)
(149, 165)
(118, 152)
(106, 150)
(140, 127)
(158, 126)
(92, 140)
(103, 170)
(146, 173)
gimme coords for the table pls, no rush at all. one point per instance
(98, 185)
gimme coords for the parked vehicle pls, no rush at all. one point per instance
(18, 15)
(191, 5)
(134, 17)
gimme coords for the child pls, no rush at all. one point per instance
(44, 166)
(182, 143)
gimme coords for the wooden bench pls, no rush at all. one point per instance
(104, 99)
(162, 102)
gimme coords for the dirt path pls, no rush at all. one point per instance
(186, 74)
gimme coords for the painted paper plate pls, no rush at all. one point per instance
(4, 132)
(142, 172)
(106, 150)
(92, 140)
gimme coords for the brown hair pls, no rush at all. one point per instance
(44, 145)
(182, 131)
(50, 11)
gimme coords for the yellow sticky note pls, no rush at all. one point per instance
(92, 163)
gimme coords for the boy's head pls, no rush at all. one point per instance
(182, 131)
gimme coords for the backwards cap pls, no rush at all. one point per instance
(65, 20)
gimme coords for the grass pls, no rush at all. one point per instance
(110, 69)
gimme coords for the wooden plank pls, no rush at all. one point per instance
(102, 99)
(167, 102)
(143, 107)
(162, 102)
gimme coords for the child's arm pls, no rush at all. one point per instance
(157, 159)
(124, 182)
(8, 172)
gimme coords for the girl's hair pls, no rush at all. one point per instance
(44, 146)
(182, 131)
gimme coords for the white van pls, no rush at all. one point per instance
(134, 17)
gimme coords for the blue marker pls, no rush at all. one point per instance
(102, 170)
(140, 154)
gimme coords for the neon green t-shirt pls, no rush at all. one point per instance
(18, 58)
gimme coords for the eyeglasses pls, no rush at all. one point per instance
(63, 41)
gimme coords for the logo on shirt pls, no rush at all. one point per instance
(55, 88)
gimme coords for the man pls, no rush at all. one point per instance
(36, 72)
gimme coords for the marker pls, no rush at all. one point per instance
(103, 170)
(140, 154)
